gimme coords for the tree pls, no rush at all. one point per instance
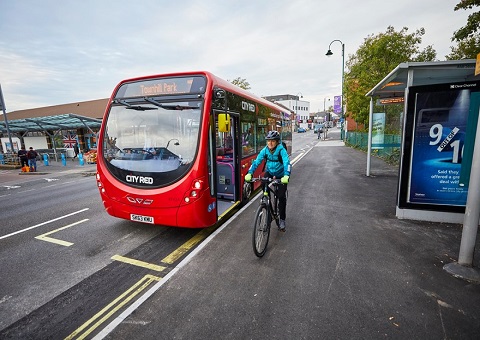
(375, 58)
(467, 37)
(467, 48)
(241, 82)
(473, 20)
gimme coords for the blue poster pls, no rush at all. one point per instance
(437, 147)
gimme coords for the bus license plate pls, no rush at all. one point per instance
(141, 218)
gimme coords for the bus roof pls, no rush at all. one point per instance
(215, 80)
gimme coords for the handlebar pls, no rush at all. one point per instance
(266, 179)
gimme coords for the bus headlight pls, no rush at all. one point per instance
(195, 191)
(197, 184)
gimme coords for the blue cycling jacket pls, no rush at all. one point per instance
(275, 165)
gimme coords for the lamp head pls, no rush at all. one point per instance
(329, 53)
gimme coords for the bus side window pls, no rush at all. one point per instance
(261, 133)
(248, 139)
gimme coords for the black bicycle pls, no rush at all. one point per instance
(266, 212)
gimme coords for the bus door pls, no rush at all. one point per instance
(226, 149)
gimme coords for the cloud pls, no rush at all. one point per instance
(58, 52)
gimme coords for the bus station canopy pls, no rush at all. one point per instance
(423, 73)
(67, 121)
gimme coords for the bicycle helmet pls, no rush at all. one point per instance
(273, 135)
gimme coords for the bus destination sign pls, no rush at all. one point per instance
(162, 86)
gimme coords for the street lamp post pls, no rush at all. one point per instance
(324, 110)
(4, 109)
(329, 53)
(296, 106)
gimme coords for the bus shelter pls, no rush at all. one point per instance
(48, 125)
(439, 101)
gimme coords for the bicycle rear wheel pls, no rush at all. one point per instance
(261, 231)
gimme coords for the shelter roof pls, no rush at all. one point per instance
(92, 108)
(423, 73)
(59, 122)
(69, 116)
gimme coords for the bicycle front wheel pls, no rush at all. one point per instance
(261, 231)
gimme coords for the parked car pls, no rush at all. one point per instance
(301, 130)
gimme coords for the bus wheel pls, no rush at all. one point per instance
(247, 190)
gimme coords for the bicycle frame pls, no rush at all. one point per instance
(266, 212)
(271, 186)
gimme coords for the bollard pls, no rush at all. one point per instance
(64, 161)
(80, 159)
(45, 159)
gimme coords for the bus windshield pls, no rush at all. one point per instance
(148, 135)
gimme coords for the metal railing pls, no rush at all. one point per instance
(9, 159)
(388, 150)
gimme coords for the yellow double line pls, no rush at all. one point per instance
(102, 316)
(113, 307)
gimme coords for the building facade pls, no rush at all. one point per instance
(301, 108)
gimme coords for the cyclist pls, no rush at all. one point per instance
(277, 166)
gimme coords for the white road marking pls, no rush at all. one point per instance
(43, 223)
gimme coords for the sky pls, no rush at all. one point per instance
(56, 52)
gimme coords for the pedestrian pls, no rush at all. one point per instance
(277, 166)
(319, 130)
(76, 151)
(22, 153)
(32, 159)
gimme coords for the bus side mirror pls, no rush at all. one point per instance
(223, 122)
(219, 94)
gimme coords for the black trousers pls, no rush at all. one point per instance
(282, 197)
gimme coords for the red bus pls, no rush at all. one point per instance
(173, 149)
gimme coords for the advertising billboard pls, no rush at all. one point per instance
(434, 136)
(378, 130)
(337, 104)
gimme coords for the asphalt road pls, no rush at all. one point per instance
(54, 235)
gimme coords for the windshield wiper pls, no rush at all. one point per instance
(153, 101)
(169, 107)
(134, 107)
